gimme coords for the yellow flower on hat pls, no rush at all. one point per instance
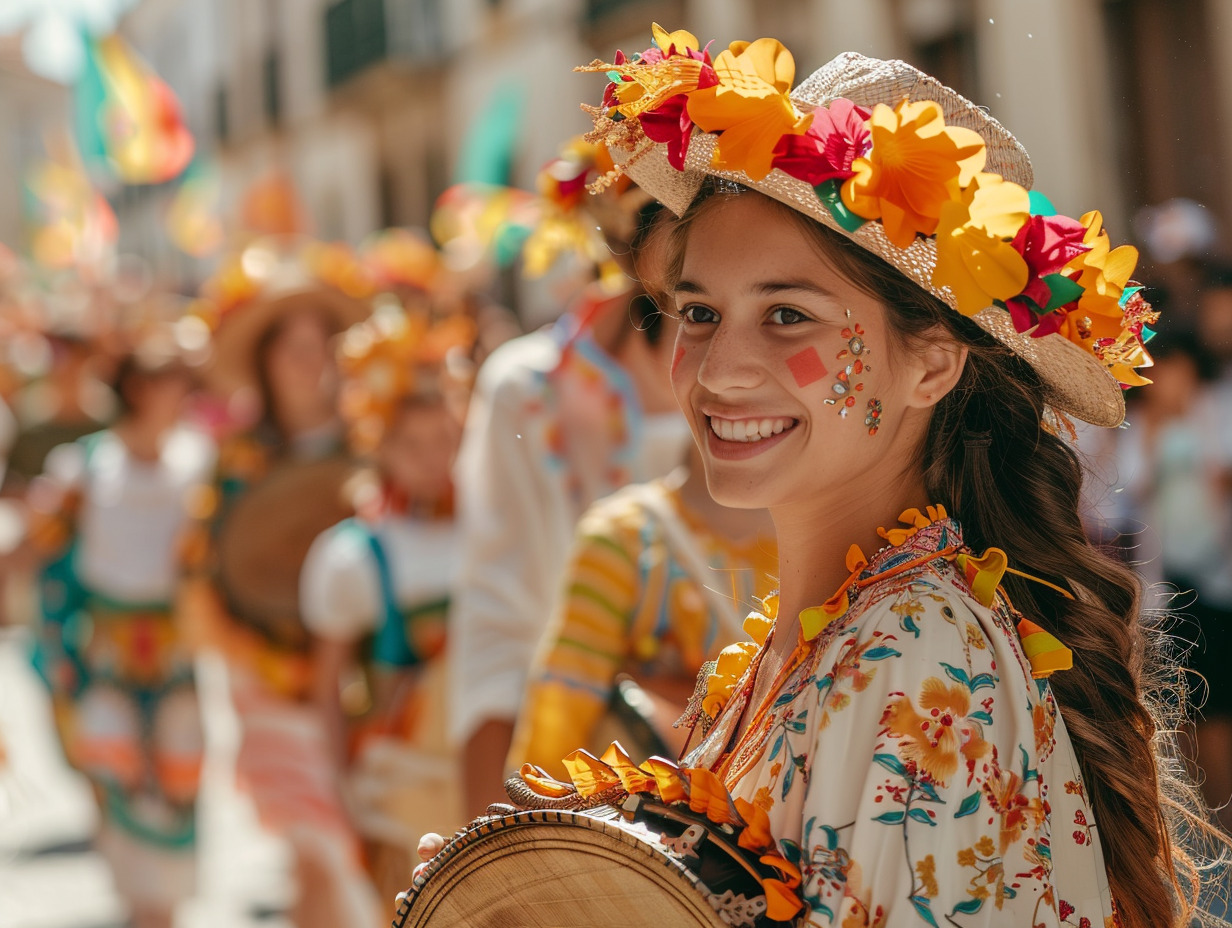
(681, 39)
(1104, 271)
(917, 164)
(975, 255)
(749, 107)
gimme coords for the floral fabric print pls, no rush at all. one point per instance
(913, 768)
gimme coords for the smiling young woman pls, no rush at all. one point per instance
(881, 323)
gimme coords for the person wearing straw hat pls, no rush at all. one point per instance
(950, 713)
(559, 418)
(107, 513)
(273, 310)
(376, 587)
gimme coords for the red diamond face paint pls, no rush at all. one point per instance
(806, 367)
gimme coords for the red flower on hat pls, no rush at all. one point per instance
(839, 134)
(1047, 244)
(671, 125)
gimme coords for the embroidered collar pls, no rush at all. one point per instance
(926, 536)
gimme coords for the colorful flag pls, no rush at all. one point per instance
(128, 117)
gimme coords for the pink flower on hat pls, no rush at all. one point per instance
(1047, 244)
(839, 134)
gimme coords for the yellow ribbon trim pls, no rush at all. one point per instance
(1044, 651)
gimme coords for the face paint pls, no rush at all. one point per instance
(854, 354)
(872, 418)
(677, 358)
(806, 367)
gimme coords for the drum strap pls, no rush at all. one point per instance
(390, 646)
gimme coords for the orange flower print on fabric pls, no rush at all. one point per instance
(749, 107)
(851, 675)
(916, 165)
(939, 735)
(1020, 813)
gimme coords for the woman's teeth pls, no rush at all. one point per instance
(748, 430)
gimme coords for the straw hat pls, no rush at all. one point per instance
(1083, 370)
(267, 281)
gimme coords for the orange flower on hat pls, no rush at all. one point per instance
(749, 107)
(1097, 317)
(976, 257)
(917, 164)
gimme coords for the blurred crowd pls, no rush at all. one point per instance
(334, 539)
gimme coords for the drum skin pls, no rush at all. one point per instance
(265, 537)
(548, 869)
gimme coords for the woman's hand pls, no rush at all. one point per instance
(429, 846)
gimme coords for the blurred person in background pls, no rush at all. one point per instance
(376, 588)
(70, 402)
(660, 579)
(560, 418)
(1175, 463)
(274, 310)
(108, 513)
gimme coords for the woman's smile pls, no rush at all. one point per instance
(740, 439)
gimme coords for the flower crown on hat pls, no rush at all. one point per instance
(564, 224)
(389, 357)
(896, 163)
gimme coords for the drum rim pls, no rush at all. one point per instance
(488, 825)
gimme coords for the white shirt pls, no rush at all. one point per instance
(340, 585)
(519, 502)
(132, 511)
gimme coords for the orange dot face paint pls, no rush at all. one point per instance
(677, 358)
(806, 367)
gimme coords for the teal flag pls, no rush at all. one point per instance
(488, 150)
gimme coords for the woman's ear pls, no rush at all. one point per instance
(939, 365)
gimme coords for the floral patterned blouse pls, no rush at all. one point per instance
(912, 765)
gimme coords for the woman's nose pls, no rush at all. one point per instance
(731, 362)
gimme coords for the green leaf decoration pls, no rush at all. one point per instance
(921, 815)
(792, 851)
(614, 77)
(1062, 290)
(891, 818)
(1040, 205)
(880, 654)
(829, 194)
(982, 680)
(923, 909)
(1148, 334)
(968, 907)
(891, 763)
(957, 674)
(969, 806)
(1128, 292)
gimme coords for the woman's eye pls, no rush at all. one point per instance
(785, 315)
(701, 315)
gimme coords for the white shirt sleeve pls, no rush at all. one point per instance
(339, 586)
(515, 530)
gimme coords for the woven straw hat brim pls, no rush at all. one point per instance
(1077, 383)
(233, 350)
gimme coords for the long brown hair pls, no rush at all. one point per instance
(989, 457)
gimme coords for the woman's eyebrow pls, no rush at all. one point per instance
(770, 287)
(764, 288)
(688, 286)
